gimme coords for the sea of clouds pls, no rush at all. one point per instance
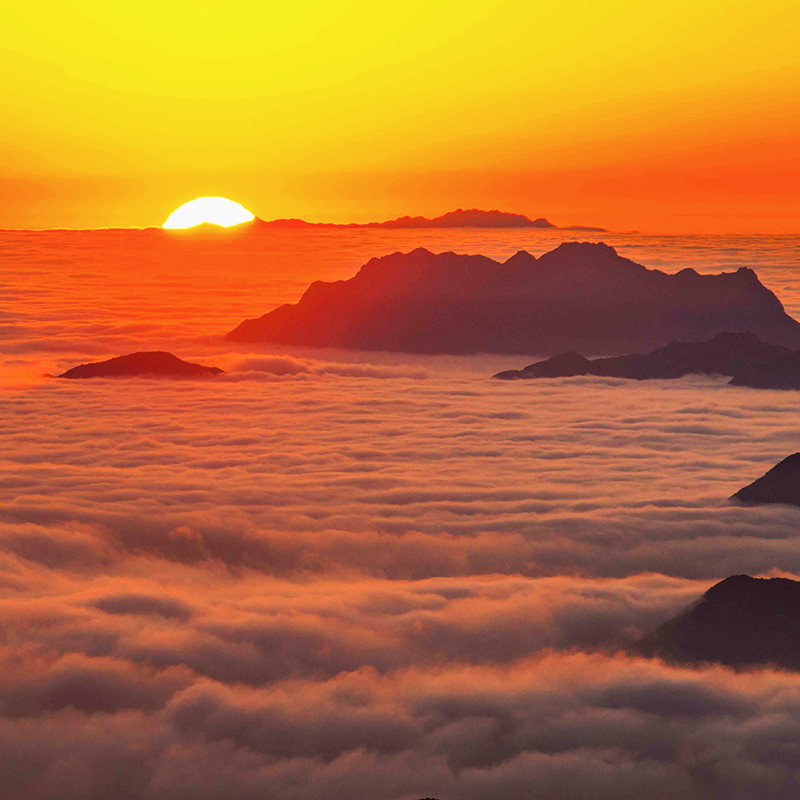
(333, 575)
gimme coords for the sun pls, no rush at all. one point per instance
(217, 210)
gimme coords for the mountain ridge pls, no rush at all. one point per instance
(580, 295)
(736, 355)
(460, 218)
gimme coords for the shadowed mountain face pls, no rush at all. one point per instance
(725, 354)
(780, 485)
(578, 296)
(780, 373)
(154, 363)
(740, 622)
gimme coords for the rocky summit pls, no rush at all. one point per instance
(580, 296)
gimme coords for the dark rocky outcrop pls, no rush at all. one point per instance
(580, 296)
(155, 363)
(725, 354)
(781, 484)
(741, 622)
(781, 373)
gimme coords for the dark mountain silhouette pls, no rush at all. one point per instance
(578, 296)
(292, 222)
(460, 218)
(782, 373)
(583, 228)
(150, 363)
(725, 354)
(466, 218)
(210, 229)
(740, 622)
(781, 484)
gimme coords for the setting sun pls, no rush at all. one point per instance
(216, 210)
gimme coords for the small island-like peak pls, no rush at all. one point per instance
(781, 484)
(741, 622)
(154, 363)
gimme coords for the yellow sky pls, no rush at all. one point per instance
(679, 116)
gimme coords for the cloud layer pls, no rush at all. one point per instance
(332, 584)
(331, 575)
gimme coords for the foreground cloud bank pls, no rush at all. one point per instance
(326, 584)
(232, 684)
(570, 726)
(315, 577)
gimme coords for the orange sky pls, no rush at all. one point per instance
(675, 117)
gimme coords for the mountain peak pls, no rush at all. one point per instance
(467, 218)
(741, 622)
(586, 247)
(579, 296)
(460, 218)
(733, 354)
(151, 363)
(781, 484)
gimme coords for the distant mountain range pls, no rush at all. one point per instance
(153, 363)
(743, 356)
(740, 622)
(460, 218)
(580, 296)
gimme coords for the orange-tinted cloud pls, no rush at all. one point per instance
(335, 575)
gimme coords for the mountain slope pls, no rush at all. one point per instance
(579, 296)
(154, 363)
(725, 354)
(740, 622)
(781, 484)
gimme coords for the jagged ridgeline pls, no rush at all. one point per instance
(580, 296)
(460, 218)
(742, 356)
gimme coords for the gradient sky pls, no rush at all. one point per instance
(671, 117)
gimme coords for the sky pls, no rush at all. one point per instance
(678, 117)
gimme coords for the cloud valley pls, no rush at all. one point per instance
(332, 575)
(330, 583)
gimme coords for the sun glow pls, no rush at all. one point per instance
(216, 210)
